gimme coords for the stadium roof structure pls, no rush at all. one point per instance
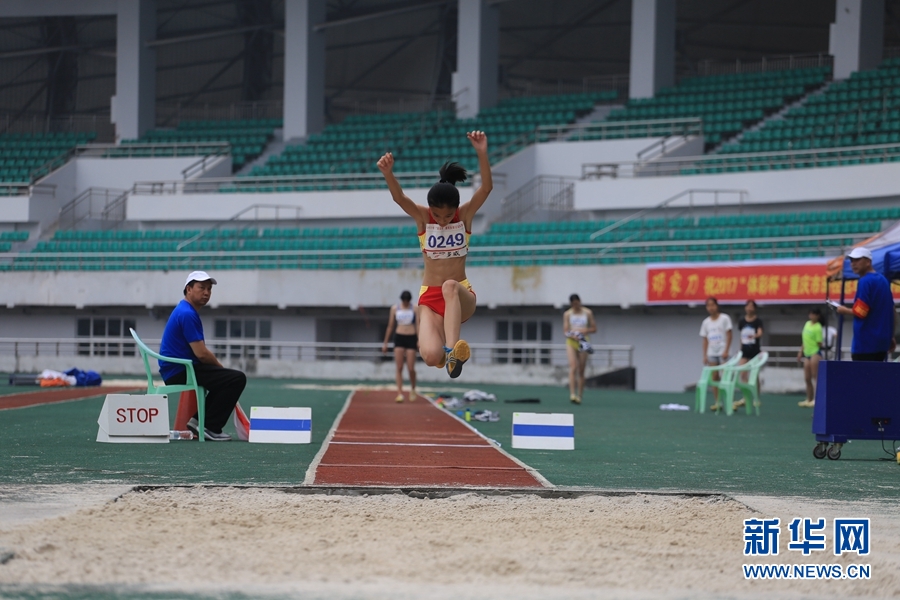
(381, 52)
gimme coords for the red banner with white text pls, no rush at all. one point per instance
(735, 284)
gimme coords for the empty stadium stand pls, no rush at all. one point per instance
(248, 137)
(682, 238)
(726, 103)
(862, 110)
(24, 158)
(424, 141)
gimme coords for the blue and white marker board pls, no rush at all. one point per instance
(280, 425)
(543, 431)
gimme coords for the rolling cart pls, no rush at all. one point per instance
(855, 401)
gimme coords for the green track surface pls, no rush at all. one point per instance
(623, 441)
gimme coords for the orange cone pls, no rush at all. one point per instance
(187, 408)
(241, 423)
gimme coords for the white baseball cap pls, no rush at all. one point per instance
(859, 252)
(198, 276)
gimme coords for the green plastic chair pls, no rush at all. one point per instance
(706, 381)
(189, 385)
(750, 388)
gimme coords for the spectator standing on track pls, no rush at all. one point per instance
(183, 338)
(750, 329)
(578, 322)
(873, 312)
(716, 333)
(810, 354)
(402, 323)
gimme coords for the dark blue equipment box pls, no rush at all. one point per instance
(855, 400)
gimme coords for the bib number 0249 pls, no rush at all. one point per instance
(450, 241)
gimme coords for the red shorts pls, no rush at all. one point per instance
(433, 296)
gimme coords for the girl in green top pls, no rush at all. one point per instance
(810, 353)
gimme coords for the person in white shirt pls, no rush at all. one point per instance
(402, 323)
(716, 331)
(578, 324)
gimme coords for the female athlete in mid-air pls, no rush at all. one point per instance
(446, 297)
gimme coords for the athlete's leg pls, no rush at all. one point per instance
(398, 371)
(814, 373)
(431, 337)
(745, 376)
(411, 368)
(459, 305)
(807, 376)
(582, 366)
(572, 355)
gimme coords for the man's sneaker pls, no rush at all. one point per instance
(807, 403)
(212, 436)
(739, 403)
(455, 359)
(208, 434)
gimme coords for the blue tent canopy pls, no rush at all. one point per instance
(885, 260)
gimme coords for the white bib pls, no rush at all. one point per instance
(445, 242)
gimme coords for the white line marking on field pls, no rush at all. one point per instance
(531, 470)
(311, 471)
(412, 444)
(350, 387)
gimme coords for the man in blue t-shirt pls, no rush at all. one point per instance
(183, 338)
(873, 310)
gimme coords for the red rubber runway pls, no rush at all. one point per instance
(382, 442)
(50, 395)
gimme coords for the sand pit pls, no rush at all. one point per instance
(466, 546)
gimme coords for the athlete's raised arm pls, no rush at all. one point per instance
(479, 142)
(386, 166)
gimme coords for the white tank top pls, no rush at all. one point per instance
(405, 316)
(578, 320)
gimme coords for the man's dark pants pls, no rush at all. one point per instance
(869, 356)
(223, 390)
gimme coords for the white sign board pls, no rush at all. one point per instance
(134, 419)
(280, 425)
(543, 431)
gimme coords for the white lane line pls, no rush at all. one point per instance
(411, 444)
(531, 470)
(311, 471)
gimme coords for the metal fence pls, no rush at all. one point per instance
(756, 161)
(240, 351)
(786, 356)
(633, 249)
(774, 63)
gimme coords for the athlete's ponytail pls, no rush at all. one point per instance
(444, 193)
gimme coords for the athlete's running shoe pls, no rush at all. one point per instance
(456, 357)
(399, 398)
(443, 361)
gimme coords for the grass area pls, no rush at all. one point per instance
(54, 443)
(623, 441)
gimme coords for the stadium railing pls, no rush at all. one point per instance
(207, 150)
(697, 250)
(755, 161)
(605, 356)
